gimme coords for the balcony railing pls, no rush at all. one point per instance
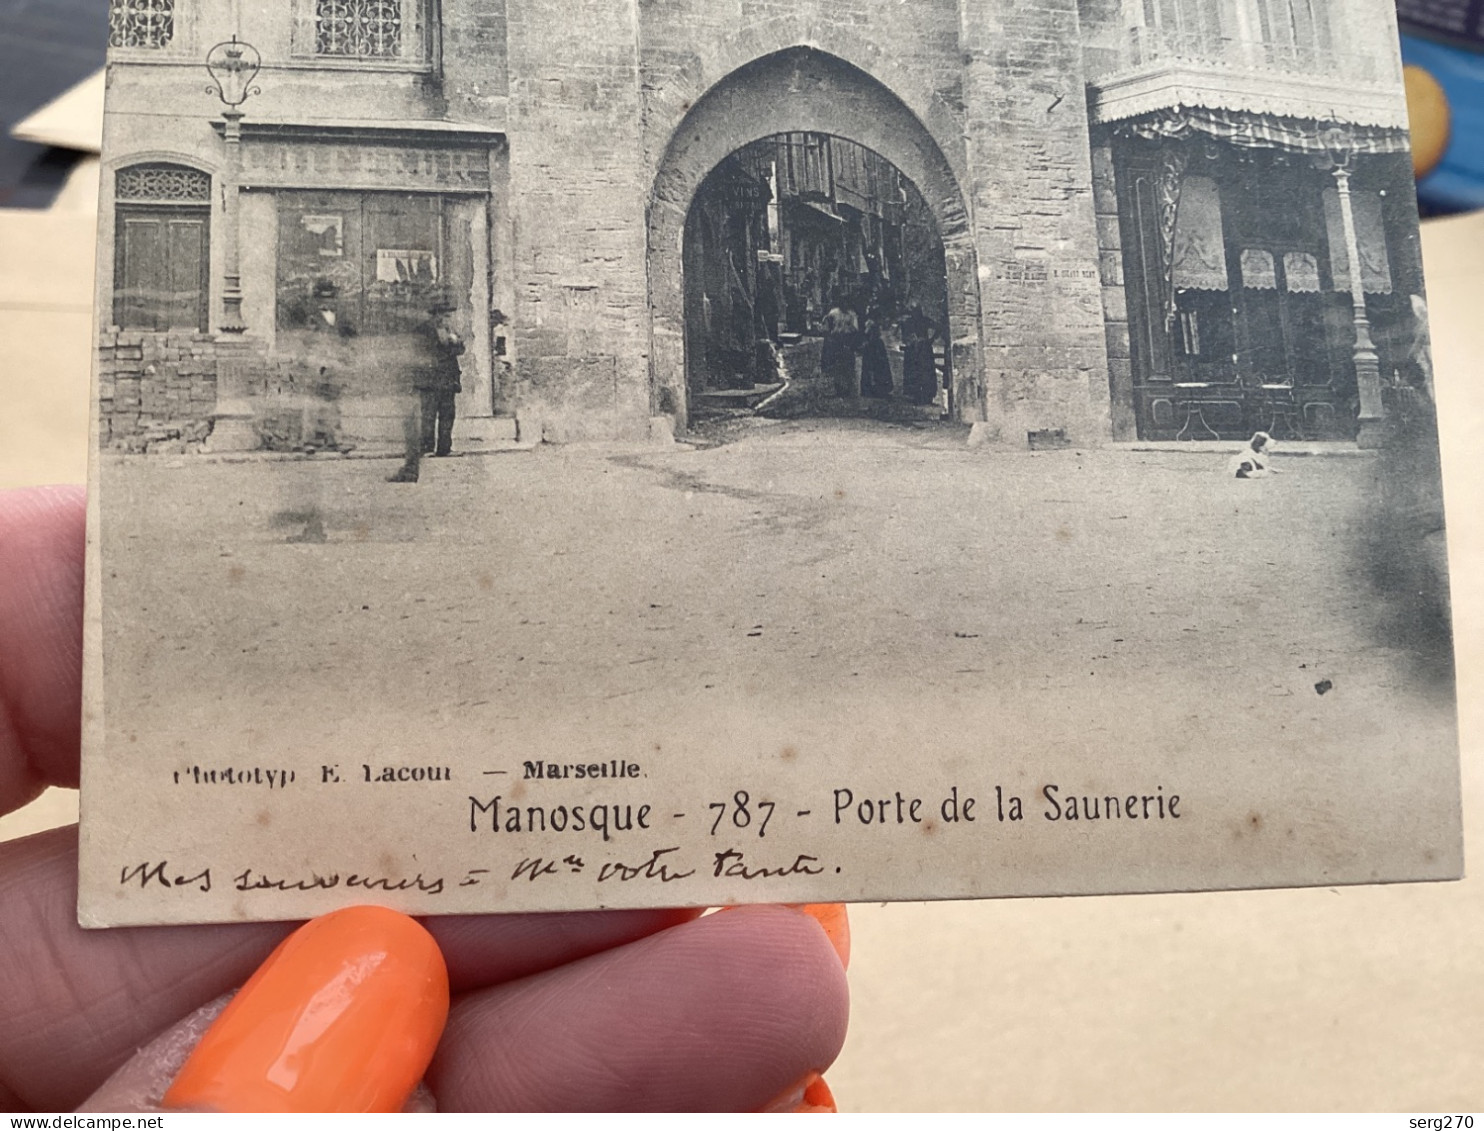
(1150, 46)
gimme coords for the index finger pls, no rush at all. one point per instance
(42, 551)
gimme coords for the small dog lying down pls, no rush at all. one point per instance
(1255, 460)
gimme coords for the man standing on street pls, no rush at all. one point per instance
(435, 382)
(441, 382)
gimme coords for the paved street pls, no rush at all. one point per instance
(794, 556)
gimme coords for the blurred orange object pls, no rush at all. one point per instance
(1431, 118)
(818, 1099)
(809, 1096)
(836, 923)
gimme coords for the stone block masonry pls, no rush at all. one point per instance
(156, 391)
(1034, 220)
(476, 80)
(577, 194)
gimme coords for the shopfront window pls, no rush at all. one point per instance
(1200, 279)
(359, 274)
(375, 259)
(162, 247)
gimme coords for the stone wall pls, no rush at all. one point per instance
(156, 391)
(688, 46)
(1034, 221)
(476, 78)
(580, 330)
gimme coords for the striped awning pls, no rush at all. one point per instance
(1250, 130)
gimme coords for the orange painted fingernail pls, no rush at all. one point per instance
(836, 923)
(344, 1016)
(809, 1096)
(818, 1099)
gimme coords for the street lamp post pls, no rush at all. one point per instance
(232, 65)
(1340, 151)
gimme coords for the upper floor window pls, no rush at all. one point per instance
(141, 23)
(358, 29)
(1190, 27)
(1297, 24)
(386, 33)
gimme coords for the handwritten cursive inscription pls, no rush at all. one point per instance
(733, 865)
(162, 875)
(655, 868)
(249, 880)
(534, 868)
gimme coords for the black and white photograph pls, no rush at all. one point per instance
(639, 453)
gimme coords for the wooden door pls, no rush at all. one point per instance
(161, 268)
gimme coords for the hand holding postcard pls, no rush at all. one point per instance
(680, 454)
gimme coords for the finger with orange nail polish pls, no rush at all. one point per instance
(836, 923)
(343, 1017)
(809, 1096)
(818, 1099)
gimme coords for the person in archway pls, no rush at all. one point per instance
(919, 364)
(841, 339)
(876, 379)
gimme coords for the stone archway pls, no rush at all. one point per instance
(803, 90)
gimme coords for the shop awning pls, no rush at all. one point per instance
(1249, 130)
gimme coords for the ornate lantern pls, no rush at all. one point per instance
(233, 65)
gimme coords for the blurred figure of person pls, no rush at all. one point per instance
(435, 383)
(919, 363)
(1419, 352)
(876, 379)
(329, 358)
(837, 359)
(1255, 460)
(319, 400)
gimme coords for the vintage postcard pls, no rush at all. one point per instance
(679, 452)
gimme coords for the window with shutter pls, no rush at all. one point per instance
(162, 247)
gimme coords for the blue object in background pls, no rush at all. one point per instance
(1457, 184)
(45, 47)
